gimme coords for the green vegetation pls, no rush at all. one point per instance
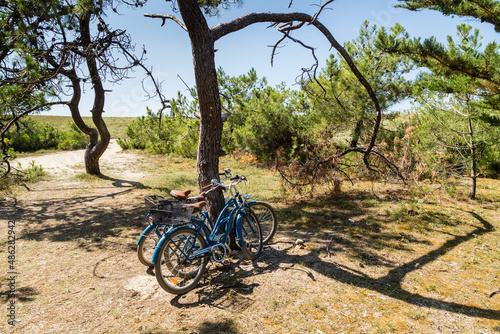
(317, 133)
(33, 136)
(263, 120)
(160, 134)
(449, 132)
(22, 176)
(48, 49)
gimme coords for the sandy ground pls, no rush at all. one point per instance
(69, 160)
(69, 163)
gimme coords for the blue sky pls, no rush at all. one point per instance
(169, 51)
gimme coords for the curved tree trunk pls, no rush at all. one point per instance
(209, 145)
(96, 147)
(92, 155)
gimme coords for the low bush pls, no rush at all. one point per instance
(72, 139)
(161, 134)
(30, 136)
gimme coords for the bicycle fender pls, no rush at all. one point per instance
(163, 239)
(146, 231)
(239, 238)
(156, 252)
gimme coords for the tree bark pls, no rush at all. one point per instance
(356, 133)
(473, 168)
(209, 145)
(96, 147)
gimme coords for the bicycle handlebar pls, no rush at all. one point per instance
(235, 180)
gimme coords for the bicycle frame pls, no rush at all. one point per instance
(228, 218)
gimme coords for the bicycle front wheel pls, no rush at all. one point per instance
(176, 270)
(267, 219)
(146, 247)
(252, 236)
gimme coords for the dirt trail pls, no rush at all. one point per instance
(69, 162)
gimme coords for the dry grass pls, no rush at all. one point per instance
(393, 261)
(117, 126)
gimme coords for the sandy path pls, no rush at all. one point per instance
(73, 161)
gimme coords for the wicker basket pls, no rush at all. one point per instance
(168, 211)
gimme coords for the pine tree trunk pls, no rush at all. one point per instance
(98, 143)
(356, 134)
(91, 162)
(209, 145)
(473, 168)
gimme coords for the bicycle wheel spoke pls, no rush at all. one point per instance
(175, 270)
(252, 236)
(267, 219)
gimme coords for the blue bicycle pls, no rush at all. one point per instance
(182, 254)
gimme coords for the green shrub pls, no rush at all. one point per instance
(31, 173)
(273, 119)
(165, 135)
(186, 143)
(19, 175)
(72, 139)
(32, 136)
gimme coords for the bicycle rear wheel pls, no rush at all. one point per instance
(267, 219)
(176, 271)
(252, 236)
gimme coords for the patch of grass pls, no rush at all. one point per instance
(116, 314)
(86, 177)
(117, 126)
(32, 173)
(97, 239)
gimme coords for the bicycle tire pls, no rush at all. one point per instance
(172, 273)
(252, 236)
(146, 247)
(267, 218)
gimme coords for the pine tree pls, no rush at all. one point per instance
(483, 10)
(466, 79)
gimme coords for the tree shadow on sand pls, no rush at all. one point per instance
(98, 215)
(389, 284)
(93, 214)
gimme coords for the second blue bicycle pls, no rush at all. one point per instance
(182, 254)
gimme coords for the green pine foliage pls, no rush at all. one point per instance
(162, 134)
(72, 139)
(341, 105)
(31, 136)
(272, 119)
(458, 102)
(484, 10)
